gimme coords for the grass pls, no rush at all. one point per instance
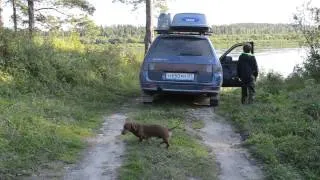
(197, 124)
(53, 94)
(185, 158)
(282, 126)
(41, 129)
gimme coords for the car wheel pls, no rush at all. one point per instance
(214, 102)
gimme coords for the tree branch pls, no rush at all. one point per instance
(51, 8)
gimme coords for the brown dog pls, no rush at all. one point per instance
(147, 131)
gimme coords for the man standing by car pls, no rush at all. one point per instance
(247, 72)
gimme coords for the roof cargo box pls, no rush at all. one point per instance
(190, 22)
(164, 22)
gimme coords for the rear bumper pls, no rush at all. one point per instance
(183, 88)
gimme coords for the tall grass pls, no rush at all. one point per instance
(53, 92)
(282, 126)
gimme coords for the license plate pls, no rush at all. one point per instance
(180, 76)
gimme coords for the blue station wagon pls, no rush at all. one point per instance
(182, 59)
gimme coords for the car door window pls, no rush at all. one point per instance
(235, 53)
(229, 62)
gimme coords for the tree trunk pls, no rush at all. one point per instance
(1, 22)
(31, 16)
(14, 15)
(148, 36)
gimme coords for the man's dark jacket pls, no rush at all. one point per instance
(247, 67)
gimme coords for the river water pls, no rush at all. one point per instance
(280, 60)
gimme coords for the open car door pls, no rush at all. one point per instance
(229, 66)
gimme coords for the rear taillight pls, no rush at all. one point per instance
(149, 66)
(209, 68)
(152, 66)
(216, 68)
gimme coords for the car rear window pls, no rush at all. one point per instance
(181, 46)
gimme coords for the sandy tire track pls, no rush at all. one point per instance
(234, 161)
(104, 156)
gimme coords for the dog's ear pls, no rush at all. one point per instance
(134, 126)
(128, 120)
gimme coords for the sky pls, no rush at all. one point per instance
(217, 11)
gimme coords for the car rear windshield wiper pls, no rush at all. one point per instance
(189, 54)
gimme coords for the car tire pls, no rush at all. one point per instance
(214, 102)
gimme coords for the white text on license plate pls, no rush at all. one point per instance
(180, 76)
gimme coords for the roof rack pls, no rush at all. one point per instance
(205, 33)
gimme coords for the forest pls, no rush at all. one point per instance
(267, 34)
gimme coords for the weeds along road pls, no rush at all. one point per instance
(203, 147)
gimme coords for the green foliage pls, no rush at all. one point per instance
(282, 125)
(254, 29)
(52, 14)
(84, 5)
(197, 124)
(123, 31)
(86, 27)
(272, 83)
(307, 22)
(312, 65)
(53, 92)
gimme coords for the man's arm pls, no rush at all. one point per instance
(238, 67)
(255, 67)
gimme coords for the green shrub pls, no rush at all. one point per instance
(271, 83)
(53, 92)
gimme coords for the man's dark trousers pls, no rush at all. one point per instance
(248, 91)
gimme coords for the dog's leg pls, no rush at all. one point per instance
(161, 143)
(147, 139)
(165, 141)
(140, 139)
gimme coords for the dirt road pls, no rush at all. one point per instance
(104, 156)
(106, 151)
(234, 162)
